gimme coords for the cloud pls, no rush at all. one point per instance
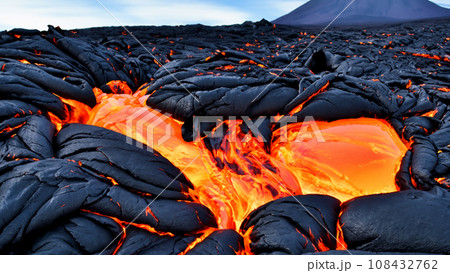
(179, 12)
(64, 13)
(88, 13)
(442, 2)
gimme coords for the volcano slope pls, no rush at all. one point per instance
(368, 12)
(80, 189)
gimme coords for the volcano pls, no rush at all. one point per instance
(362, 12)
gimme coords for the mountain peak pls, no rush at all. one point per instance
(364, 12)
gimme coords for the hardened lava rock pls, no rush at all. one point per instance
(220, 242)
(108, 153)
(294, 225)
(38, 192)
(406, 221)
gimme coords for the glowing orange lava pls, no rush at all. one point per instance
(358, 157)
(250, 178)
(428, 56)
(344, 158)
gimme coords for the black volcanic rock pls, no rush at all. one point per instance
(294, 225)
(407, 221)
(367, 12)
(102, 151)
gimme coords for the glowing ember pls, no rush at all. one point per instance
(431, 113)
(124, 225)
(428, 56)
(409, 84)
(197, 241)
(357, 157)
(226, 67)
(76, 112)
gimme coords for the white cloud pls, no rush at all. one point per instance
(67, 14)
(176, 12)
(441, 2)
(83, 14)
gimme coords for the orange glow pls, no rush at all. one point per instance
(148, 211)
(77, 112)
(341, 244)
(245, 183)
(442, 181)
(431, 113)
(444, 89)
(409, 84)
(24, 61)
(320, 245)
(300, 107)
(122, 238)
(247, 241)
(119, 87)
(428, 56)
(151, 229)
(198, 241)
(124, 225)
(359, 156)
(112, 180)
(9, 129)
(226, 67)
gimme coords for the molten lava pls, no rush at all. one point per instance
(428, 56)
(344, 158)
(235, 175)
(249, 178)
(76, 112)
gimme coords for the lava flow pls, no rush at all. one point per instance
(237, 175)
(344, 158)
(249, 178)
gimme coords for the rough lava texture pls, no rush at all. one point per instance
(294, 225)
(408, 222)
(75, 191)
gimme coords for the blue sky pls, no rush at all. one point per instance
(89, 13)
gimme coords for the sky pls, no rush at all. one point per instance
(69, 14)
